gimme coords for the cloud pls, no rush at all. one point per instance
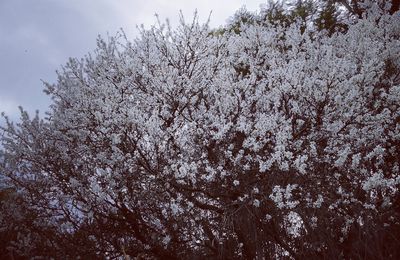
(9, 107)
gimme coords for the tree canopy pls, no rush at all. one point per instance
(275, 137)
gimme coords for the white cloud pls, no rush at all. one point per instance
(9, 107)
(109, 16)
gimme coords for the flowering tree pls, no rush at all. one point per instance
(272, 141)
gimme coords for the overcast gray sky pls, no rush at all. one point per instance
(38, 36)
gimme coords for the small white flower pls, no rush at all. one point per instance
(166, 240)
(256, 203)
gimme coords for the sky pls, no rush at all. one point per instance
(38, 36)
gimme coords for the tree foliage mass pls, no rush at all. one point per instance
(277, 136)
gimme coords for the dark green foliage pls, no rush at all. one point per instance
(329, 18)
